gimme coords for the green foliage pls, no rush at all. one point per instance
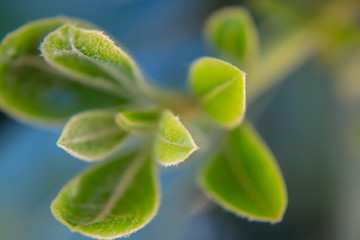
(93, 135)
(84, 74)
(34, 92)
(231, 33)
(220, 88)
(110, 200)
(245, 179)
(81, 73)
(92, 58)
(173, 143)
(140, 121)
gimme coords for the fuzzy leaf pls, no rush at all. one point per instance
(92, 58)
(33, 91)
(173, 143)
(111, 200)
(220, 87)
(231, 32)
(245, 178)
(137, 120)
(92, 135)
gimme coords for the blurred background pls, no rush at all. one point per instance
(311, 127)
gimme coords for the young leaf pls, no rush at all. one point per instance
(245, 179)
(92, 135)
(137, 120)
(92, 58)
(231, 32)
(110, 200)
(33, 91)
(173, 143)
(221, 89)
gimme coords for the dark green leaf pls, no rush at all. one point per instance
(93, 135)
(245, 179)
(220, 87)
(110, 200)
(33, 91)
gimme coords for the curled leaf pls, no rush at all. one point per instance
(92, 135)
(111, 200)
(92, 58)
(33, 91)
(173, 143)
(220, 87)
(245, 179)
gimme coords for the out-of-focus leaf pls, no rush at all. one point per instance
(220, 87)
(33, 91)
(110, 200)
(173, 143)
(93, 135)
(232, 34)
(245, 179)
(137, 120)
(92, 58)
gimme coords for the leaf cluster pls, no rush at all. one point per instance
(63, 70)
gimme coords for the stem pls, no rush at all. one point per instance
(283, 59)
(297, 48)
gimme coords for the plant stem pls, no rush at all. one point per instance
(297, 48)
(281, 60)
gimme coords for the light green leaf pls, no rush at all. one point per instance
(93, 135)
(92, 58)
(232, 33)
(137, 120)
(110, 200)
(173, 143)
(220, 87)
(245, 179)
(33, 91)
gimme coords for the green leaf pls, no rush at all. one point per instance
(245, 179)
(231, 32)
(33, 91)
(92, 58)
(110, 200)
(173, 143)
(93, 135)
(137, 120)
(220, 87)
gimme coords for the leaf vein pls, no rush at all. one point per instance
(212, 93)
(93, 136)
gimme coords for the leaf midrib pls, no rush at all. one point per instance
(244, 180)
(110, 86)
(162, 138)
(93, 136)
(36, 62)
(122, 186)
(219, 88)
